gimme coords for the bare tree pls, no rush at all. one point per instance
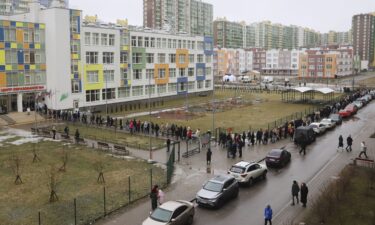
(99, 168)
(35, 154)
(53, 182)
(64, 159)
(15, 165)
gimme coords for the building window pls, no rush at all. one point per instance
(104, 39)
(158, 42)
(134, 41)
(329, 59)
(182, 87)
(208, 59)
(191, 72)
(36, 36)
(191, 58)
(109, 93)
(124, 57)
(91, 57)
(109, 76)
(149, 73)
(92, 95)
(208, 84)
(137, 74)
(150, 89)
(181, 59)
(75, 86)
(200, 58)
(108, 57)
(200, 45)
(150, 57)
(152, 43)
(124, 74)
(191, 85)
(200, 84)
(147, 42)
(208, 71)
(92, 77)
(182, 72)
(26, 36)
(162, 89)
(172, 72)
(87, 38)
(111, 40)
(95, 39)
(137, 58)
(161, 73)
(172, 58)
(140, 41)
(26, 57)
(200, 72)
(172, 87)
(137, 90)
(161, 58)
(124, 40)
(123, 92)
(74, 48)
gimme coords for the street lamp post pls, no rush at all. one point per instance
(149, 124)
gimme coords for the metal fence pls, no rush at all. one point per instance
(103, 200)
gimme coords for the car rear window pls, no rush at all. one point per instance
(274, 153)
(237, 169)
(212, 186)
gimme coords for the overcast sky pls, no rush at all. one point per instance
(321, 15)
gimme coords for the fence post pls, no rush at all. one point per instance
(179, 151)
(75, 211)
(129, 190)
(187, 149)
(104, 202)
(39, 219)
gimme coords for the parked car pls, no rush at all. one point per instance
(348, 111)
(248, 172)
(304, 134)
(172, 213)
(217, 190)
(328, 123)
(358, 103)
(318, 128)
(278, 157)
(336, 118)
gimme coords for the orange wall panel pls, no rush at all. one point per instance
(3, 80)
(165, 80)
(184, 52)
(19, 36)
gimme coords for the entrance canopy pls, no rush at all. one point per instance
(307, 94)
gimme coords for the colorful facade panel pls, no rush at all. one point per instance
(161, 74)
(182, 58)
(93, 85)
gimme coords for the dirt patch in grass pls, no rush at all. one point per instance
(20, 204)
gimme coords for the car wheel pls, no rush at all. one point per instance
(190, 220)
(264, 175)
(250, 182)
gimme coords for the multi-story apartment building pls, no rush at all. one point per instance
(336, 38)
(264, 34)
(180, 16)
(326, 63)
(281, 62)
(259, 59)
(8, 7)
(232, 61)
(363, 27)
(228, 34)
(85, 64)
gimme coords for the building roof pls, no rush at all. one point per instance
(308, 89)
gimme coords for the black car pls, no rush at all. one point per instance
(217, 190)
(304, 134)
(278, 158)
(336, 118)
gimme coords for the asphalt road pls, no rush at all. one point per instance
(248, 207)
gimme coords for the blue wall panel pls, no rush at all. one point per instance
(20, 57)
(1, 34)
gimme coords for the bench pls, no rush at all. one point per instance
(103, 145)
(121, 150)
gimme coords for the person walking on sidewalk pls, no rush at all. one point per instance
(341, 143)
(304, 192)
(66, 131)
(77, 135)
(363, 150)
(208, 156)
(295, 191)
(302, 145)
(268, 215)
(154, 195)
(54, 132)
(349, 142)
(168, 144)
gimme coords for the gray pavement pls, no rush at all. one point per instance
(321, 164)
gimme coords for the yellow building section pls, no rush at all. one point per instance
(13, 45)
(93, 86)
(8, 67)
(302, 70)
(125, 48)
(37, 46)
(159, 67)
(2, 57)
(19, 35)
(331, 72)
(19, 24)
(75, 56)
(124, 66)
(3, 80)
(76, 36)
(182, 52)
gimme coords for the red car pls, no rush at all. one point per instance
(349, 110)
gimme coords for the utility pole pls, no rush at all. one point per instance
(149, 123)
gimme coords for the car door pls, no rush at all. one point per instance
(226, 188)
(257, 170)
(179, 216)
(251, 172)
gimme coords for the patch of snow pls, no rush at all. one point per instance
(26, 140)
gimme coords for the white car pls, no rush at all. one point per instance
(358, 103)
(328, 123)
(248, 172)
(318, 128)
(172, 213)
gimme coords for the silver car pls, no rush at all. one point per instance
(172, 213)
(217, 190)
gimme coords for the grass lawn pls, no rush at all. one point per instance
(370, 82)
(19, 204)
(135, 141)
(357, 204)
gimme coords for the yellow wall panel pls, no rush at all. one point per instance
(37, 46)
(2, 57)
(26, 46)
(32, 67)
(8, 67)
(43, 67)
(19, 35)
(125, 48)
(94, 86)
(13, 45)
(19, 24)
(3, 80)
(42, 26)
(6, 23)
(31, 25)
(21, 67)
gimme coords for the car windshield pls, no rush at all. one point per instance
(274, 153)
(334, 117)
(237, 169)
(212, 186)
(161, 215)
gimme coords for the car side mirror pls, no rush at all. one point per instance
(225, 189)
(173, 220)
